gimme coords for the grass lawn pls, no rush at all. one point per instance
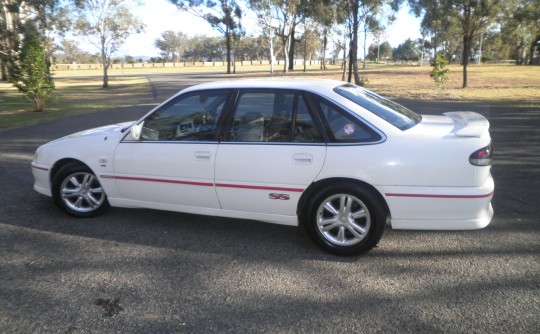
(72, 96)
(517, 85)
(75, 94)
(495, 83)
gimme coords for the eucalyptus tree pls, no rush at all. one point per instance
(325, 14)
(106, 24)
(70, 50)
(374, 17)
(364, 14)
(472, 16)
(520, 28)
(379, 51)
(224, 16)
(172, 44)
(407, 51)
(266, 22)
(15, 15)
(281, 17)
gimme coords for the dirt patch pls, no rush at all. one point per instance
(109, 308)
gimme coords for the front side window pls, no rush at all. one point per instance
(394, 113)
(190, 117)
(273, 116)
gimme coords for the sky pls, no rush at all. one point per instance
(161, 15)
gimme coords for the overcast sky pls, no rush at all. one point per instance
(161, 15)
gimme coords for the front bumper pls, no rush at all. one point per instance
(42, 182)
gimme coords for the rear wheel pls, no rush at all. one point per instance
(77, 191)
(346, 219)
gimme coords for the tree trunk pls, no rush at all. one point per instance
(353, 60)
(350, 71)
(344, 62)
(305, 52)
(467, 39)
(39, 103)
(365, 43)
(105, 68)
(291, 48)
(285, 41)
(531, 51)
(3, 76)
(271, 53)
(325, 42)
(235, 55)
(228, 41)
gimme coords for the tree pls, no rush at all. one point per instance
(472, 16)
(379, 51)
(282, 17)
(71, 50)
(172, 45)
(440, 72)
(324, 13)
(406, 51)
(363, 14)
(15, 15)
(520, 28)
(106, 24)
(224, 16)
(30, 71)
(373, 19)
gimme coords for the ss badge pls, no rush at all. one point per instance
(283, 197)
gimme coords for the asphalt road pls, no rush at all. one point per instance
(144, 271)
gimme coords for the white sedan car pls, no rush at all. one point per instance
(336, 158)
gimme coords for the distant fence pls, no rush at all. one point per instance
(65, 67)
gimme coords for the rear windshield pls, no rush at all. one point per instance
(392, 112)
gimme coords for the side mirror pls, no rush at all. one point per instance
(136, 131)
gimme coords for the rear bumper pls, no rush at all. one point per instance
(440, 208)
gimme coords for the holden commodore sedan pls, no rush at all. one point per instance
(333, 157)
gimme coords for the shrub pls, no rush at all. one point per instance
(440, 72)
(30, 72)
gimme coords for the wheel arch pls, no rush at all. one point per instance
(313, 188)
(64, 162)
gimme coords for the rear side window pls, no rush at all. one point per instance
(273, 116)
(394, 113)
(341, 127)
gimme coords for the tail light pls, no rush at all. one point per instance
(482, 157)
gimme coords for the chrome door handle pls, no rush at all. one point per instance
(202, 156)
(302, 159)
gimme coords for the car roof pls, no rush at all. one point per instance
(306, 84)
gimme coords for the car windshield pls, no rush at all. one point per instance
(392, 112)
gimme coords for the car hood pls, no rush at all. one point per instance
(100, 131)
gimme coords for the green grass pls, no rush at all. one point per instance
(73, 96)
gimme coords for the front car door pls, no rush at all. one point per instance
(273, 150)
(171, 165)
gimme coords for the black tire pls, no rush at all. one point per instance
(77, 191)
(345, 219)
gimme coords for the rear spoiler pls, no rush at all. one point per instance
(468, 123)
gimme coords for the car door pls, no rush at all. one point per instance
(172, 163)
(273, 150)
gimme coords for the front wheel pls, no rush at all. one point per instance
(77, 191)
(346, 219)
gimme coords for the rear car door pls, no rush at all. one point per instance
(272, 151)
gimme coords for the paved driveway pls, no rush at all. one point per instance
(148, 271)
